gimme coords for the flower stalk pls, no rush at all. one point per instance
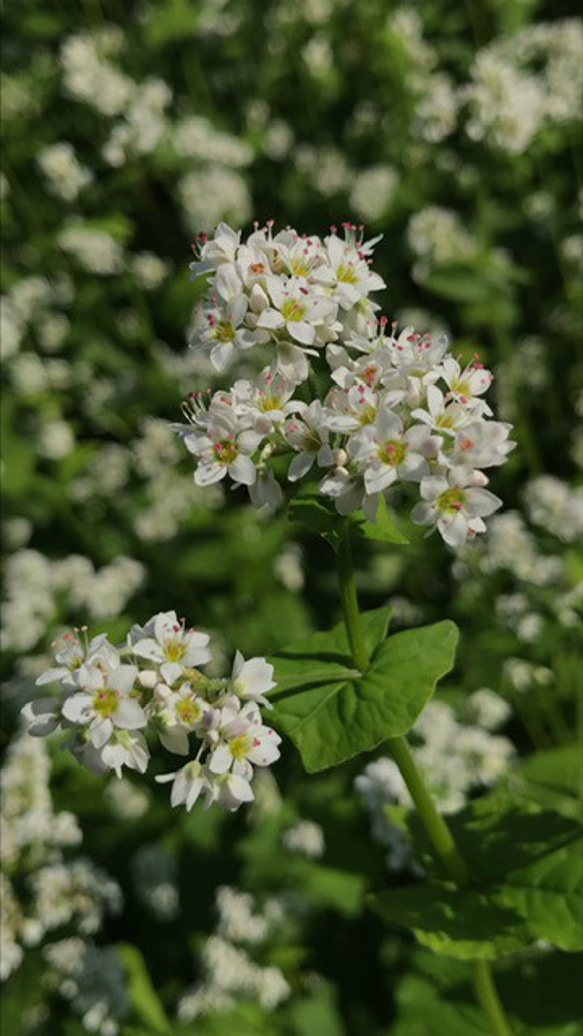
(436, 827)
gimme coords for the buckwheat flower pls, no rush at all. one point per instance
(72, 652)
(352, 408)
(347, 273)
(126, 748)
(224, 449)
(221, 248)
(42, 717)
(231, 790)
(266, 493)
(442, 414)
(304, 314)
(104, 703)
(347, 490)
(482, 444)
(455, 505)
(187, 784)
(386, 452)
(167, 642)
(466, 384)
(266, 401)
(243, 741)
(308, 434)
(252, 679)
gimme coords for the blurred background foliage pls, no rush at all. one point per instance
(453, 130)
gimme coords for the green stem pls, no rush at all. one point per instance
(349, 599)
(439, 833)
(437, 829)
(487, 995)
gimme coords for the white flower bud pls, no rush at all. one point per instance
(258, 300)
(148, 679)
(340, 458)
(162, 692)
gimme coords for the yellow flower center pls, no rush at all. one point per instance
(299, 267)
(106, 702)
(392, 452)
(188, 710)
(368, 414)
(293, 310)
(451, 501)
(270, 403)
(346, 273)
(462, 387)
(240, 746)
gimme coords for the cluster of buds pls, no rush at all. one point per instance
(392, 407)
(115, 699)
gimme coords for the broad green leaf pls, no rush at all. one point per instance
(540, 900)
(332, 722)
(548, 894)
(554, 776)
(463, 923)
(386, 528)
(143, 996)
(424, 1011)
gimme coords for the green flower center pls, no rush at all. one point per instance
(106, 702)
(224, 331)
(225, 452)
(174, 649)
(188, 710)
(392, 452)
(451, 501)
(299, 267)
(293, 310)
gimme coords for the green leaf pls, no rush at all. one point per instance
(145, 1000)
(386, 528)
(463, 923)
(548, 894)
(513, 905)
(312, 509)
(330, 722)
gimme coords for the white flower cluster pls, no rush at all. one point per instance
(396, 408)
(112, 696)
(154, 872)
(41, 889)
(64, 173)
(92, 979)
(555, 506)
(35, 586)
(229, 972)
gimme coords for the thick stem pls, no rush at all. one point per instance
(490, 1002)
(441, 837)
(437, 829)
(349, 599)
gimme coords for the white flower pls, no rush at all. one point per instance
(231, 789)
(224, 449)
(252, 678)
(126, 748)
(347, 273)
(105, 703)
(244, 741)
(386, 452)
(72, 653)
(308, 435)
(466, 384)
(168, 643)
(482, 444)
(187, 784)
(455, 504)
(298, 310)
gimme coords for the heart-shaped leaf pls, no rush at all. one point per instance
(332, 720)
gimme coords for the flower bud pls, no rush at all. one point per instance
(162, 692)
(147, 679)
(258, 300)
